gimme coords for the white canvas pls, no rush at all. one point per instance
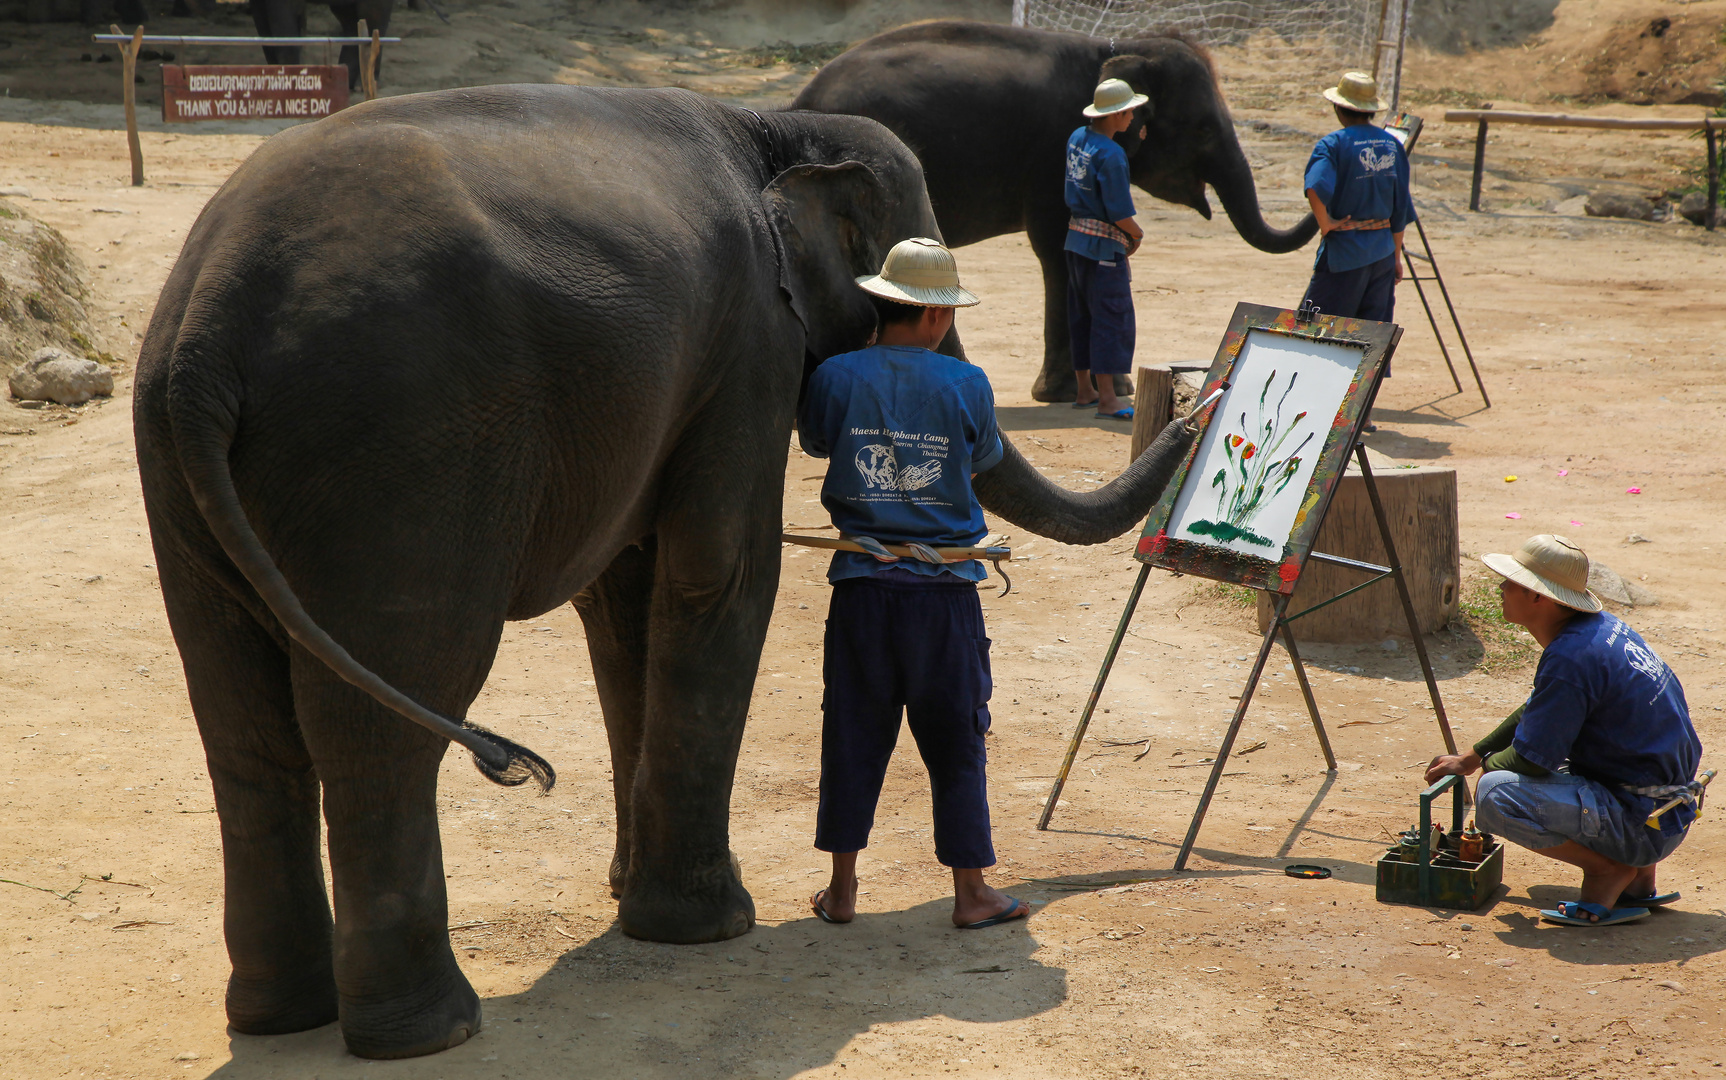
(1257, 457)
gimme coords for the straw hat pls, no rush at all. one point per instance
(1553, 567)
(919, 271)
(1113, 96)
(1357, 91)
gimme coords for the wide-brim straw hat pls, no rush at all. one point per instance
(919, 271)
(1553, 567)
(1356, 90)
(1113, 96)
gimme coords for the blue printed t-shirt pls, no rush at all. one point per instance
(1360, 172)
(905, 429)
(1099, 185)
(1605, 703)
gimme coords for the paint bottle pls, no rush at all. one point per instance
(1471, 844)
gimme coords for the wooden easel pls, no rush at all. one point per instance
(1280, 623)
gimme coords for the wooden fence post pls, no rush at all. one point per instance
(1153, 402)
(129, 72)
(1479, 162)
(368, 58)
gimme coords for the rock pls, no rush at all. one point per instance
(16, 192)
(1609, 204)
(1608, 585)
(42, 291)
(1694, 208)
(1575, 206)
(53, 375)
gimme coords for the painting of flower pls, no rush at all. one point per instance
(1244, 485)
(1255, 461)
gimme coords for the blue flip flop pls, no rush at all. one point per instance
(1019, 910)
(1654, 901)
(1570, 914)
(1125, 412)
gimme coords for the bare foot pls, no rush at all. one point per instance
(838, 901)
(974, 901)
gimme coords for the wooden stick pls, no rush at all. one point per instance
(129, 72)
(1630, 123)
(367, 86)
(1653, 821)
(373, 58)
(950, 554)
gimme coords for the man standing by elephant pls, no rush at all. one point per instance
(906, 429)
(1101, 236)
(1357, 186)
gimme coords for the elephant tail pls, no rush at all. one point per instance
(204, 398)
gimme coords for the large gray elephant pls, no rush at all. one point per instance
(987, 109)
(548, 345)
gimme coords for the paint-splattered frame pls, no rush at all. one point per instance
(1378, 342)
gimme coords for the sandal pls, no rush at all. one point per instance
(1583, 914)
(821, 909)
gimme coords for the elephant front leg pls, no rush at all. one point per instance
(615, 613)
(713, 594)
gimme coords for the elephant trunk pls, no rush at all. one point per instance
(1232, 178)
(1015, 491)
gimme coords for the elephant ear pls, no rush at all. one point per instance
(1132, 69)
(824, 220)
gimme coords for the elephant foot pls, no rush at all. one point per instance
(618, 875)
(685, 919)
(281, 1006)
(413, 1026)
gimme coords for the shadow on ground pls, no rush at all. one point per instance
(772, 1003)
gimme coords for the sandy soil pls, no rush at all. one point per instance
(1600, 344)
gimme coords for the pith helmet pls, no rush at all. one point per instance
(919, 271)
(1113, 96)
(1355, 90)
(1553, 567)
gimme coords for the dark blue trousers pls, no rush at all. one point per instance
(1366, 292)
(1100, 323)
(918, 648)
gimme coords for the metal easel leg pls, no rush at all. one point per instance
(1091, 702)
(1395, 565)
(1278, 607)
(1306, 692)
(1408, 257)
(1443, 291)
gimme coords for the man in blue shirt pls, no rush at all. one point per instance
(1357, 186)
(1603, 739)
(1100, 237)
(905, 429)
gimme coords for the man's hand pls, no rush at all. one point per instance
(1452, 765)
(1400, 261)
(1135, 235)
(1326, 225)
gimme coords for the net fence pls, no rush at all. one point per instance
(1255, 41)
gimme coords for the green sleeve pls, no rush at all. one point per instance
(1501, 736)
(1498, 755)
(1508, 760)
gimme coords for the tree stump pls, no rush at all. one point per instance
(1420, 506)
(1152, 405)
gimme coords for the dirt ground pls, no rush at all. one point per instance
(1600, 344)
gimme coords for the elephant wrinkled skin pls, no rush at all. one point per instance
(381, 414)
(987, 109)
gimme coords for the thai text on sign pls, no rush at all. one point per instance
(249, 92)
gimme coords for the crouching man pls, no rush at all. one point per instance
(1603, 739)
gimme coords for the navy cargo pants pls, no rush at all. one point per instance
(914, 646)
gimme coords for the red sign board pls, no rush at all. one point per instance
(251, 92)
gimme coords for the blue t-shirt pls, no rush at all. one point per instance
(1099, 185)
(905, 428)
(1607, 705)
(1360, 172)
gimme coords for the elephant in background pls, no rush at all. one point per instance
(987, 109)
(287, 18)
(368, 437)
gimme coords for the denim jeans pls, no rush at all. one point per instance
(1544, 811)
